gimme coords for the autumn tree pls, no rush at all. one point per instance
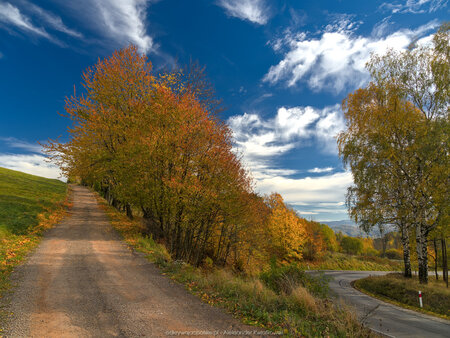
(329, 238)
(285, 229)
(315, 244)
(396, 144)
(148, 143)
(351, 245)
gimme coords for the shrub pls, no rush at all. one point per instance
(351, 245)
(285, 279)
(394, 254)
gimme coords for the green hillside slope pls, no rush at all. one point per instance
(28, 205)
(23, 197)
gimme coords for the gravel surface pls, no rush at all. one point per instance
(83, 281)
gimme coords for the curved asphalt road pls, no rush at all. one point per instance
(83, 281)
(382, 317)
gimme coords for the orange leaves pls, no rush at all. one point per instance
(149, 143)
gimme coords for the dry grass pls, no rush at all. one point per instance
(404, 291)
(304, 298)
(340, 261)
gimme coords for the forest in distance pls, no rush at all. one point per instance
(153, 146)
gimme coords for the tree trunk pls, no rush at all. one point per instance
(444, 260)
(435, 259)
(406, 252)
(384, 241)
(422, 254)
(129, 211)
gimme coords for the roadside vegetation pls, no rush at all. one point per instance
(28, 206)
(281, 298)
(342, 261)
(404, 292)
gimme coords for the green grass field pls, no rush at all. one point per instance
(23, 197)
(28, 205)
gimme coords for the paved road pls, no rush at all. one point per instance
(83, 281)
(383, 317)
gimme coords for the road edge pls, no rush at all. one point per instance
(423, 313)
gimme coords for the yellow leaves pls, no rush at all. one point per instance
(285, 228)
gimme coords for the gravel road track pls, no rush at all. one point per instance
(83, 281)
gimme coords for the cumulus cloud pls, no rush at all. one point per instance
(336, 59)
(31, 164)
(415, 6)
(255, 11)
(259, 138)
(261, 141)
(11, 15)
(328, 188)
(321, 195)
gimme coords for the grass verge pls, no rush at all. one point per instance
(284, 299)
(28, 206)
(340, 261)
(401, 291)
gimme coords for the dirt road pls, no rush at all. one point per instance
(82, 281)
(385, 318)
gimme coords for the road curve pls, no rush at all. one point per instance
(383, 317)
(83, 281)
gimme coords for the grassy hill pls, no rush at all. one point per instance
(28, 205)
(23, 197)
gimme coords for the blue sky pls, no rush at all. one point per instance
(282, 69)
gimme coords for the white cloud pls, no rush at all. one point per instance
(309, 190)
(255, 11)
(31, 164)
(320, 170)
(336, 59)
(54, 21)
(13, 142)
(306, 213)
(20, 18)
(124, 21)
(11, 15)
(261, 141)
(415, 6)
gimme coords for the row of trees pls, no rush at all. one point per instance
(397, 146)
(152, 145)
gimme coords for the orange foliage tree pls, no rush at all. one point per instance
(148, 144)
(153, 146)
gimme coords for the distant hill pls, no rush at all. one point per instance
(347, 227)
(338, 223)
(350, 228)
